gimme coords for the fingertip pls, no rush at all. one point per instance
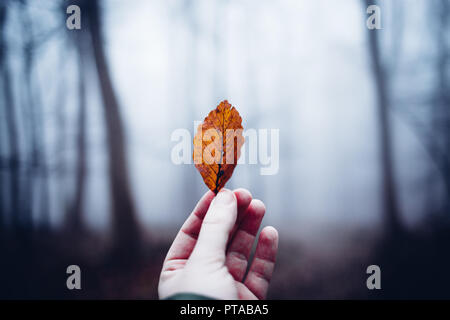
(209, 193)
(268, 244)
(243, 196)
(208, 197)
(269, 234)
(225, 196)
(258, 207)
(243, 191)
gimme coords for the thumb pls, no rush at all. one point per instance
(216, 227)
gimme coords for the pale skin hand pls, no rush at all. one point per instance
(210, 253)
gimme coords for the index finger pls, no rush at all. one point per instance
(186, 238)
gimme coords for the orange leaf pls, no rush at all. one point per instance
(217, 145)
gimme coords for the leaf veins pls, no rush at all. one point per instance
(217, 145)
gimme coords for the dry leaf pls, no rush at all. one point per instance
(217, 145)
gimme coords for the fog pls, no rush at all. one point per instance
(362, 114)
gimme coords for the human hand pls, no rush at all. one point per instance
(210, 253)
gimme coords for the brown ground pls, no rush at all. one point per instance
(414, 265)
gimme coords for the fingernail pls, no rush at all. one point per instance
(224, 198)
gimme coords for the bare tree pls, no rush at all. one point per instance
(439, 141)
(125, 227)
(12, 163)
(381, 82)
(37, 174)
(80, 40)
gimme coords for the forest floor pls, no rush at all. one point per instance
(413, 265)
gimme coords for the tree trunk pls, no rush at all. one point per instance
(125, 228)
(75, 220)
(389, 192)
(13, 141)
(37, 169)
(441, 112)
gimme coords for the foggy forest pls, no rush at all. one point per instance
(86, 123)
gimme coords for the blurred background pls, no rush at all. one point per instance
(86, 118)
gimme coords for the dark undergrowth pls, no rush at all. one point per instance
(413, 265)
